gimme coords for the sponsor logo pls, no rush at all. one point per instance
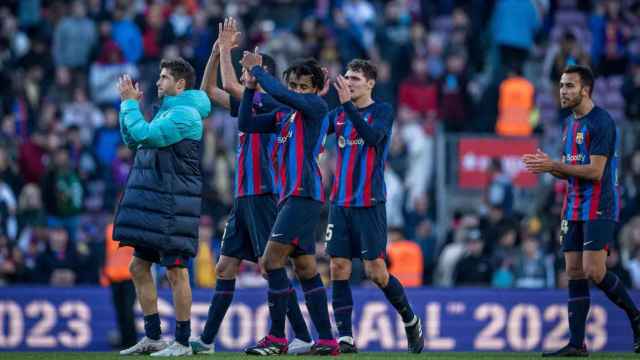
(342, 142)
(577, 157)
(283, 139)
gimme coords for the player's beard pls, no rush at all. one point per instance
(573, 103)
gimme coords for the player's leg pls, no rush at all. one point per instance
(369, 226)
(316, 299)
(226, 272)
(236, 246)
(598, 234)
(340, 248)
(178, 276)
(140, 269)
(147, 294)
(275, 258)
(259, 216)
(342, 302)
(571, 236)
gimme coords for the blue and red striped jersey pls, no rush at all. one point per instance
(594, 134)
(255, 174)
(301, 129)
(296, 153)
(362, 141)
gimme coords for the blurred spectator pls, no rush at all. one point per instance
(513, 28)
(474, 268)
(204, 262)
(83, 114)
(8, 209)
(610, 38)
(453, 251)
(568, 52)
(63, 193)
(30, 208)
(419, 92)
(81, 156)
(455, 101)
(126, 33)
(515, 105)
(73, 38)
(405, 259)
(630, 185)
(107, 139)
(9, 171)
(530, 268)
(123, 294)
(500, 192)
(57, 264)
(631, 90)
(11, 263)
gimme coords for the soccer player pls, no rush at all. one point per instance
(357, 225)
(301, 127)
(160, 210)
(591, 206)
(254, 209)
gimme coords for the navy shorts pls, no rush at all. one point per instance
(592, 235)
(247, 230)
(358, 232)
(161, 258)
(297, 224)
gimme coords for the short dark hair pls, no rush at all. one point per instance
(306, 67)
(269, 64)
(179, 68)
(585, 73)
(365, 67)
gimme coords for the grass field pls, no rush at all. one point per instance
(362, 356)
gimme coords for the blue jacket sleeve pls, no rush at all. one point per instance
(371, 134)
(251, 123)
(311, 105)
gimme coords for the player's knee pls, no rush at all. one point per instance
(575, 272)
(138, 268)
(594, 273)
(176, 275)
(226, 269)
(377, 274)
(305, 271)
(340, 270)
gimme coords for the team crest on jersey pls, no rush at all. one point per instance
(341, 141)
(579, 138)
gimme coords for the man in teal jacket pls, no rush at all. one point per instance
(160, 210)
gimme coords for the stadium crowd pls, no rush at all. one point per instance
(442, 64)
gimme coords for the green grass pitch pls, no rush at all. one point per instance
(362, 356)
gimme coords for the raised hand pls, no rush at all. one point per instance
(127, 89)
(251, 59)
(228, 34)
(327, 82)
(344, 94)
(249, 80)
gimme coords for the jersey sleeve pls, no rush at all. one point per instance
(602, 138)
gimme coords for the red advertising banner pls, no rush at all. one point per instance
(475, 154)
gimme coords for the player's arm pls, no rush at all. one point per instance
(161, 132)
(592, 171)
(541, 163)
(229, 39)
(210, 80)
(311, 105)
(126, 138)
(254, 123)
(371, 134)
